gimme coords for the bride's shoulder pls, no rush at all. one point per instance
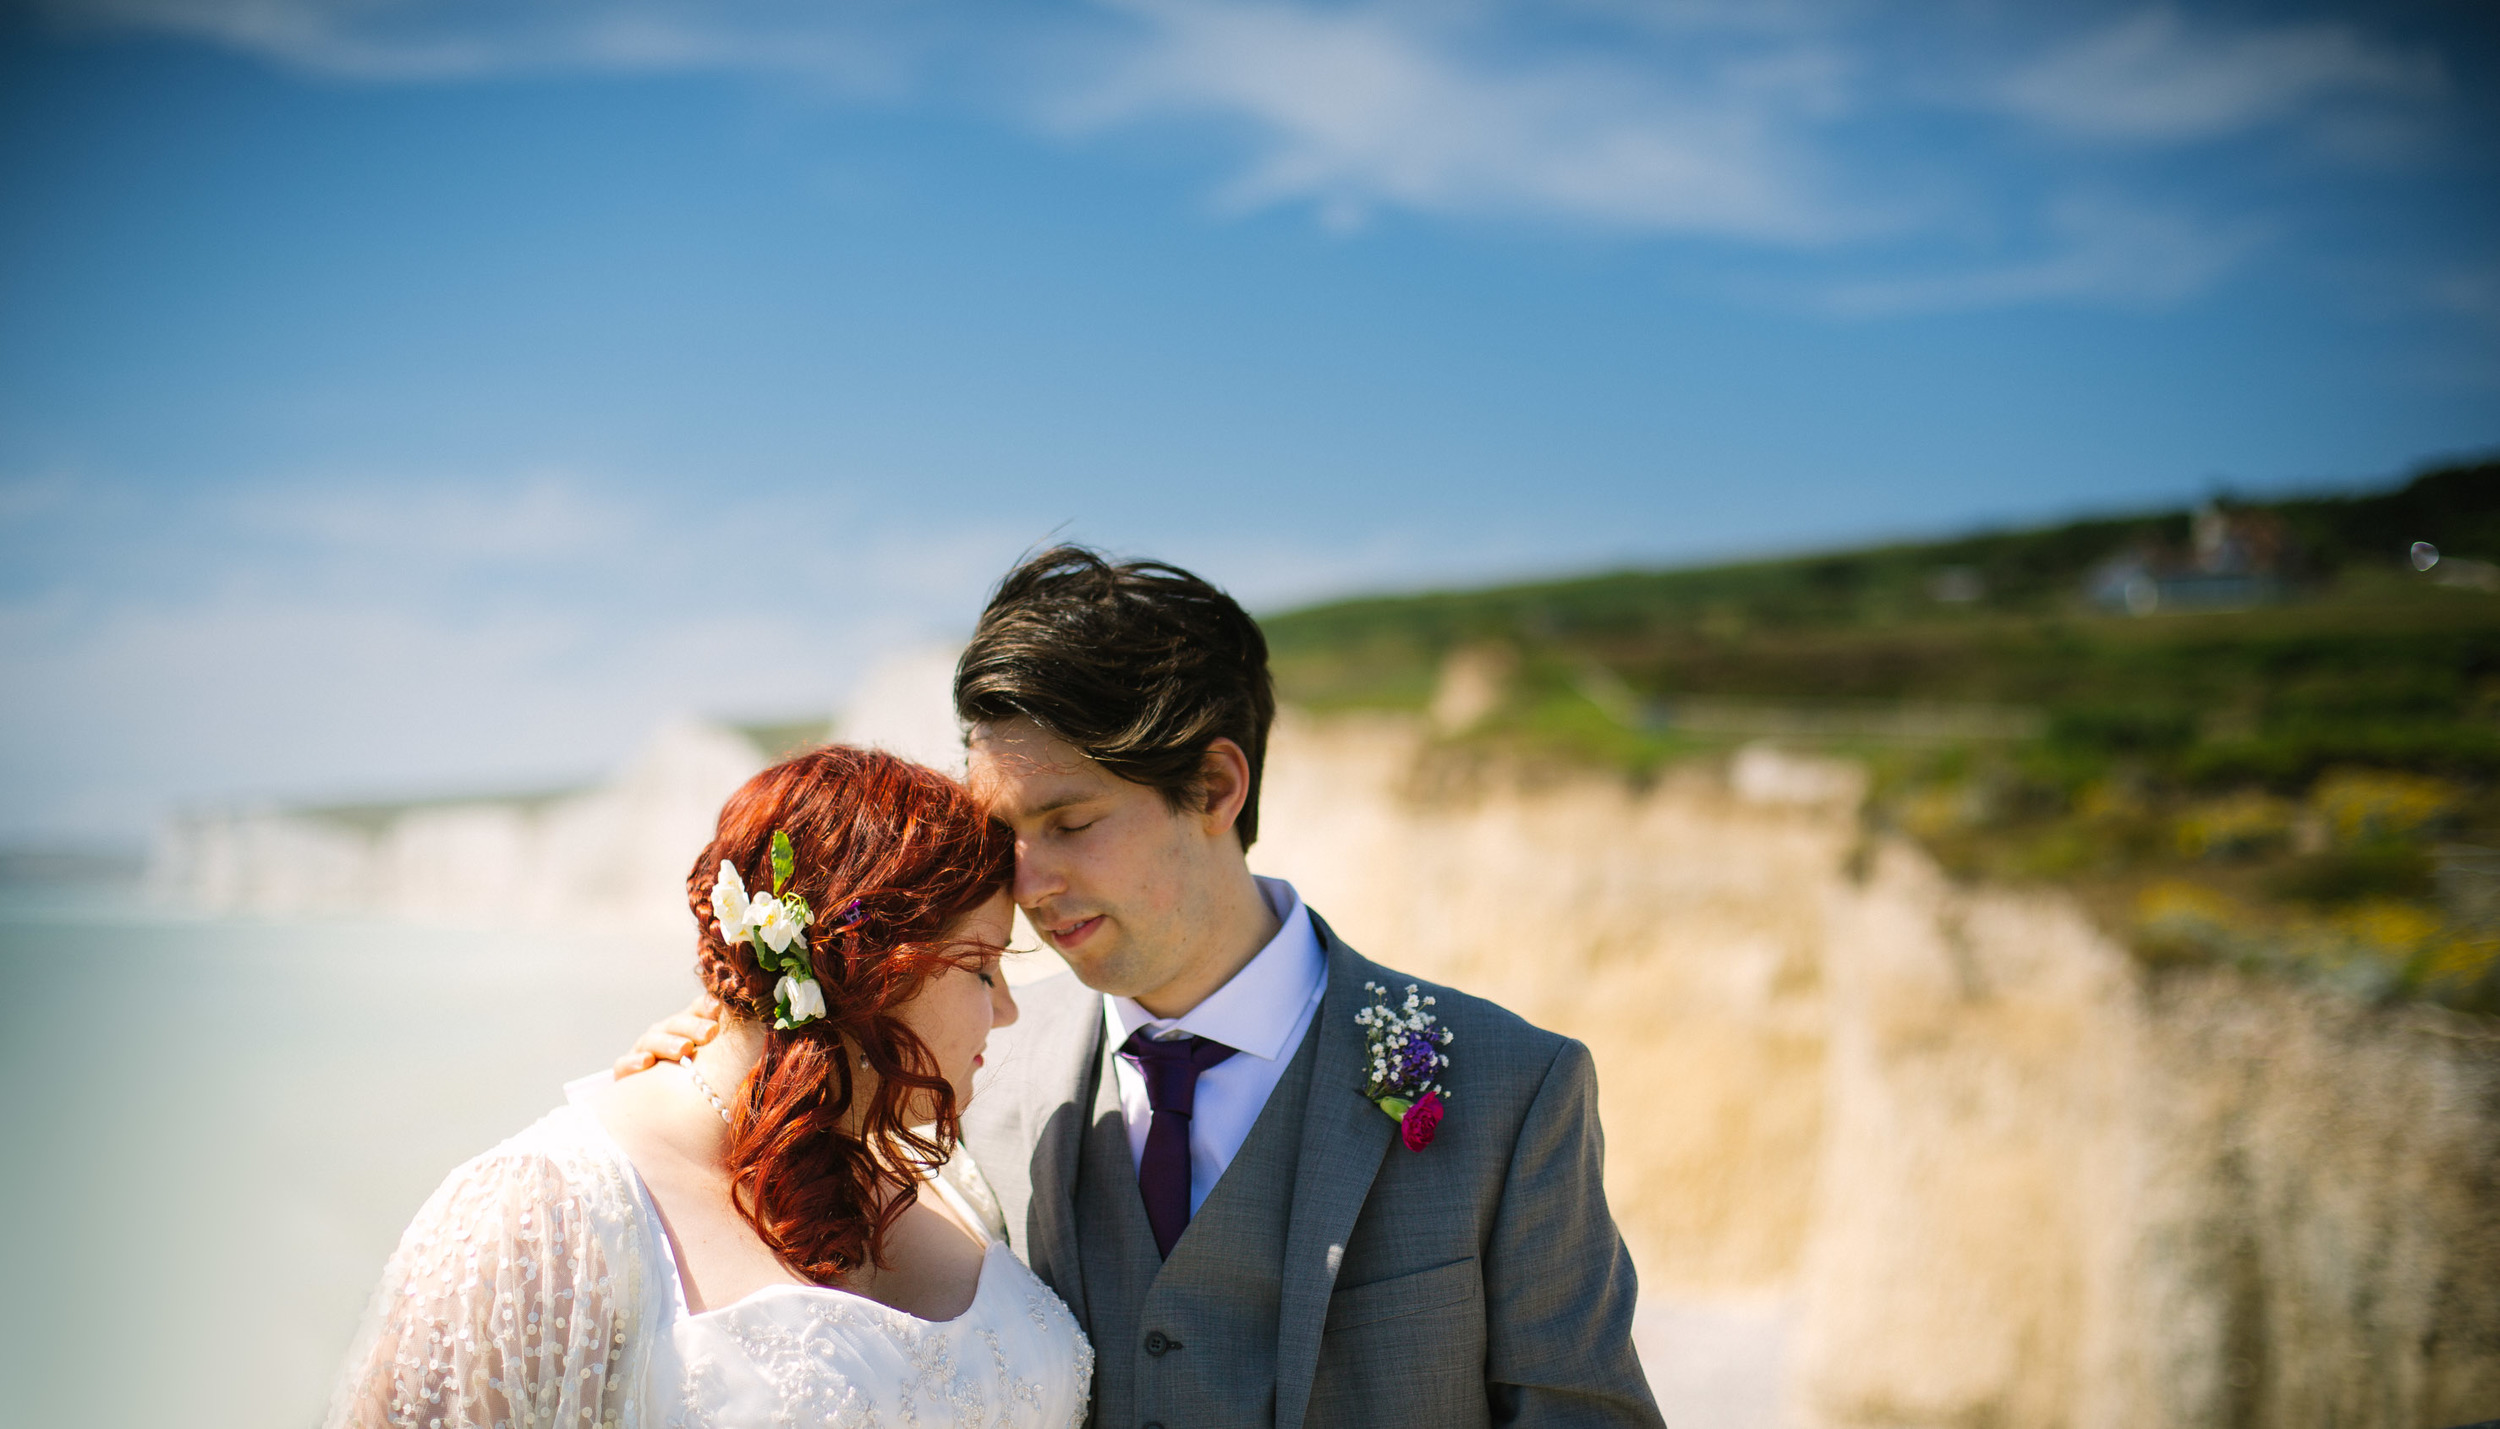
(560, 1163)
(566, 1136)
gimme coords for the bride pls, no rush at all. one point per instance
(780, 1230)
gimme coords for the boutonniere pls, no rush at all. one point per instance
(1407, 1061)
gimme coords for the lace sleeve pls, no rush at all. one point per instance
(505, 1305)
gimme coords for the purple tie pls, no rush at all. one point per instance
(1171, 1071)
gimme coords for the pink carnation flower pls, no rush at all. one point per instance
(1421, 1121)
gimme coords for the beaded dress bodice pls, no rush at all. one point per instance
(537, 1288)
(806, 1355)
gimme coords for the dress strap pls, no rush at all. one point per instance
(963, 1187)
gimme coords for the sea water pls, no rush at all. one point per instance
(216, 1129)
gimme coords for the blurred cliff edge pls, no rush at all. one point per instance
(607, 855)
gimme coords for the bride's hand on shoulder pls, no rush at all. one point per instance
(675, 1037)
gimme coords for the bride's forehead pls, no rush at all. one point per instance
(986, 927)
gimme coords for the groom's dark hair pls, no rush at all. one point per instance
(1141, 665)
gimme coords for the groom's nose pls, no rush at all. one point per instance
(1037, 876)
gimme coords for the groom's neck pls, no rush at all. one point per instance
(1228, 928)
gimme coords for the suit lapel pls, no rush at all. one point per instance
(1060, 1099)
(1344, 1139)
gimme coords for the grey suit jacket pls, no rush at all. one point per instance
(1478, 1281)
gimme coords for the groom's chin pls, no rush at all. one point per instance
(1098, 964)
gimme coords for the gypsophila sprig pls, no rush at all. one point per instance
(777, 923)
(1405, 1041)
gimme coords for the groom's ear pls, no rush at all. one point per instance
(1222, 785)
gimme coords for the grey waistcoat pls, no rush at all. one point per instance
(1190, 1342)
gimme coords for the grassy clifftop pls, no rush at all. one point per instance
(2257, 732)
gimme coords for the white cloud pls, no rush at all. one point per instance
(2156, 76)
(26, 498)
(1353, 109)
(2467, 292)
(292, 641)
(2098, 251)
(298, 639)
(1815, 126)
(860, 46)
(535, 519)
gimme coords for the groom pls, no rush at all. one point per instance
(1178, 1134)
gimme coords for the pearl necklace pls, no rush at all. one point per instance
(706, 1088)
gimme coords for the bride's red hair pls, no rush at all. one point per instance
(915, 854)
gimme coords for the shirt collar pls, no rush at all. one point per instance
(1259, 1008)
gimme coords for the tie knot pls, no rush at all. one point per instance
(1171, 1067)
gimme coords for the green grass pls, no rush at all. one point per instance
(2184, 771)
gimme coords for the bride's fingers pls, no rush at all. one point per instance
(691, 1026)
(660, 1044)
(675, 1038)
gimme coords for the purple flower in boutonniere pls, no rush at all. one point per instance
(1405, 1042)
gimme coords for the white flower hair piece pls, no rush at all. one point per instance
(777, 922)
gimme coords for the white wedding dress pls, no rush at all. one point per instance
(537, 1288)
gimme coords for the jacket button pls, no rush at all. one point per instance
(1156, 1343)
(1153, 1424)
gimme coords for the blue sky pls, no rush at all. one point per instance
(401, 396)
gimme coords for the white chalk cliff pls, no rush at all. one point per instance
(1986, 1168)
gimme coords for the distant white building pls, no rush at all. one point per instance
(2236, 560)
